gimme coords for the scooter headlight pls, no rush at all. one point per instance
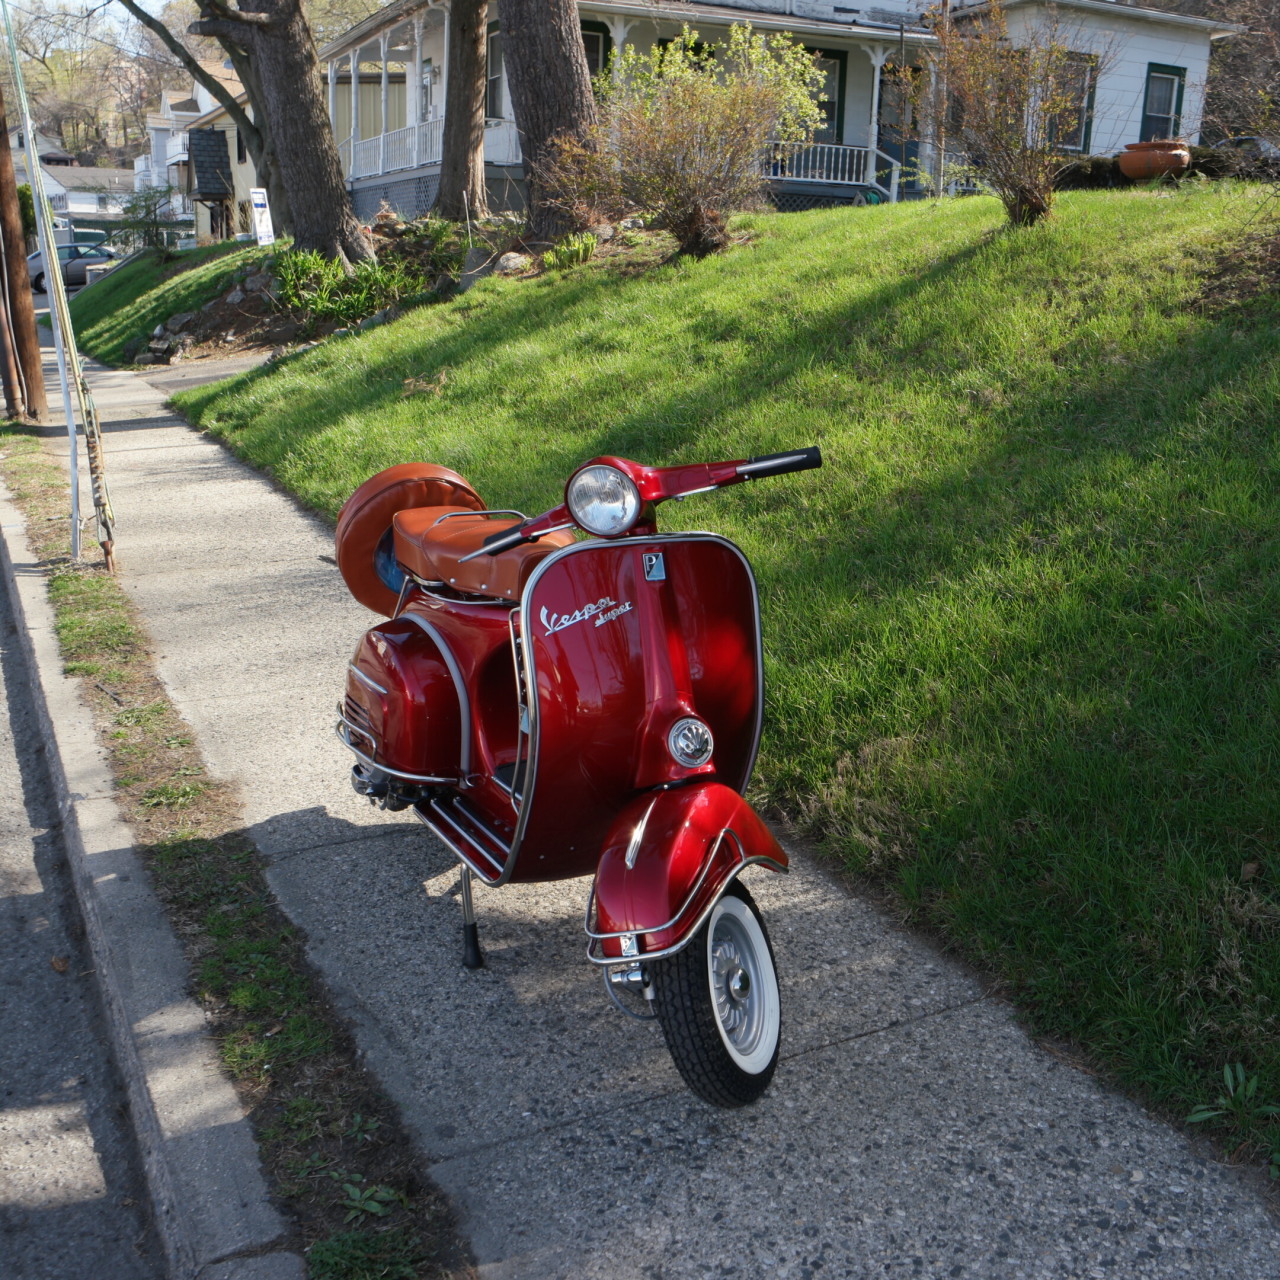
(691, 743)
(603, 500)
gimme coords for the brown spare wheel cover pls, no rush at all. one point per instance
(363, 540)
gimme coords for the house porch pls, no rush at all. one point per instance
(386, 91)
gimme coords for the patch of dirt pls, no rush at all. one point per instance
(1247, 271)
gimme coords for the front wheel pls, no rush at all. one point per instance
(717, 1002)
(37, 285)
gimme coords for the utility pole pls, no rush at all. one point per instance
(13, 248)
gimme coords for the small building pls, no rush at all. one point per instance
(221, 173)
(166, 164)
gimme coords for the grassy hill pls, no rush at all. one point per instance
(1021, 630)
(125, 306)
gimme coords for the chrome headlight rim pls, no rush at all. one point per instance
(690, 742)
(627, 503)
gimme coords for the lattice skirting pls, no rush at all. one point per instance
(411, 197)
(796, 201)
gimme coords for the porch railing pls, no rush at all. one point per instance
(430, 142)
(502, 142)
(366, 157)
(829, 162)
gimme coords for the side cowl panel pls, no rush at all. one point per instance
(667, 858)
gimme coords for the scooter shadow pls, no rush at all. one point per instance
(531, 1039)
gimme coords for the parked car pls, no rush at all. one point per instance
(74, 260)
(1254, 157)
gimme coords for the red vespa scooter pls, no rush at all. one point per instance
(554, 707)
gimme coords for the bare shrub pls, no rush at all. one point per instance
(1012, 113)
(685, 133)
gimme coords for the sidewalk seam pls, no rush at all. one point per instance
(208, 1198)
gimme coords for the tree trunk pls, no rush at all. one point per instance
(22, 313)
(550, 91)
(462, 190)
(265, 164)
(275, 35)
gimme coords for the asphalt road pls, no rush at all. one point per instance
(71, 1197)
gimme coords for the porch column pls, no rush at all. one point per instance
(444, 62)
(333, 96)
(383, 41)
(415, 98)
(355, 104)
(879, 55)
(619, 30)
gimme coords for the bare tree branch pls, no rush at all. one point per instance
(221, 94)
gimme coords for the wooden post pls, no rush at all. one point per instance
(333, 96)
(22, 312)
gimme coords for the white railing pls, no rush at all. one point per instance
(502, 143)
(831, 163)
(430, 142)
(820, 162)
(398, 149)
(366, 159)
(420, 145)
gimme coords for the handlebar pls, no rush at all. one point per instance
(777, 464)
(655, 485)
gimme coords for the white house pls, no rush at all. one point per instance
(390, 129)
(167, 162)
(72, 190)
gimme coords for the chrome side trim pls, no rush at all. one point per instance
(531, 681)
(486, 877)
(364, 679)
(611, 961)
(455, 673)
(344, 730)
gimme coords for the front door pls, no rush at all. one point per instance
(897, 131)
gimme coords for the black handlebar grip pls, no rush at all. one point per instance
(777, 464)
(496, 542)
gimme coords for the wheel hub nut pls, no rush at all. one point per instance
(739, 984)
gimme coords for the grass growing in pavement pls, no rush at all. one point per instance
(114, 319)
(1022, 651)
(330, 1141)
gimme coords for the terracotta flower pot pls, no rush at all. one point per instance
(1141, 160)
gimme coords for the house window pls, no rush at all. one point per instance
(1071, 128)
(1162, 102)
(598, 45)
(493, 81)
(242, 155)
(832, 66)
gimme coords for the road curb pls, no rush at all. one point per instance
(209, 1199)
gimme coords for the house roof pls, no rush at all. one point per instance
(1213, 29)
(75, 178)
(211, 159)
(880, 24)
(219, 112)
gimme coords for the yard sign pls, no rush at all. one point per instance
(261, 216)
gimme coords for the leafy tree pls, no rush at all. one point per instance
(27, 207)
(688, 133)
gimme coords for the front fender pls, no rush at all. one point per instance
(666, 860)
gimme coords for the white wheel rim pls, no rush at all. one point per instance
(744, 986)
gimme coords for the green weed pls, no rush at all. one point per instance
(572, 251)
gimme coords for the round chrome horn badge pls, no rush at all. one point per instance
(690, 742)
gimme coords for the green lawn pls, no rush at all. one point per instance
(128, 304)
(1022, 629)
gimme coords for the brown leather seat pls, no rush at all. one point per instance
(432, 549)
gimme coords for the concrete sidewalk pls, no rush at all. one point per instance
(912, 1128)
